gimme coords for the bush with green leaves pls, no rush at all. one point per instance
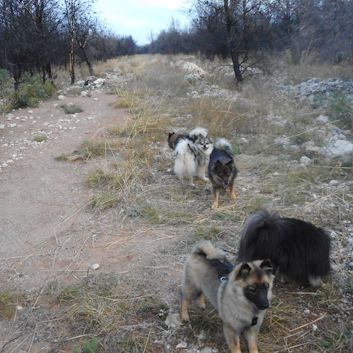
(89, 346)
(30, 92)
(341, 110)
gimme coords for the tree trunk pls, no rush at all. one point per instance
(236, 65)
(49, 71)
(230, 27)
(85, 57)
(72, 60)
(16, 74)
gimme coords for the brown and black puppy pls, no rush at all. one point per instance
(241, 294)
(222, 170)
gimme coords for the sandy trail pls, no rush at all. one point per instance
(43, 215)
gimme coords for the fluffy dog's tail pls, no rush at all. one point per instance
(207, 249)
(265, 223)
(198, 132)
(224, 145)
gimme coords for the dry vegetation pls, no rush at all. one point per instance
(127, 314)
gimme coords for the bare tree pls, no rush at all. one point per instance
(80, 23)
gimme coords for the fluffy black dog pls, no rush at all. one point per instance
(299, 250)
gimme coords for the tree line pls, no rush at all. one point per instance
(237, 28)
(35, 35)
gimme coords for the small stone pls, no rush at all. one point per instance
(305, 161)
(19, 307)
(351, 264)
(173, 320)
(333, 182)
(314, 327)
(208, 350)
(306, 311)
(61, 97)
(13, 125)
(181, 345)
(2, 126)
(95, 266)
(85, 94)
(322, 119)
(244, 141)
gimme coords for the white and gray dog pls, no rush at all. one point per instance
(193, 155)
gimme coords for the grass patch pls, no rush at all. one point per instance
(103, 307)
(62, 158)
(89, 346)
(104, 200)
(93, 149)
(7, 305)
(71, 108)
(40, 138)
(208, 233)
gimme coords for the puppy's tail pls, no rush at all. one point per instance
(224, 144)
(264, 222)
(198, 132)
(207, 249)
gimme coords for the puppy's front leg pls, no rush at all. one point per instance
(215, 198)
(251, 337)
(232, 193)
(232, 339)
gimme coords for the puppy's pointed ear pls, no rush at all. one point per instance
(170, 134)
(268, 266)
(243, 272)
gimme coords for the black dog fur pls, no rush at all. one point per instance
(300, 250)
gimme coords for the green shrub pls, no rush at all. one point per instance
(71, 108)
(30, 93)
(40, 138)
(341, 110)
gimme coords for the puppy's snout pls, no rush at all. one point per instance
(264, 305)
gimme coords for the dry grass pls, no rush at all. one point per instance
(7, 305)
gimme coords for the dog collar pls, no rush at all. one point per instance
(254, 321)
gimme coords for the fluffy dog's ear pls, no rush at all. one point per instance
(170, 134)
(268, 267)
(243, 271)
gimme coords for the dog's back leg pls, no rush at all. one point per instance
(188, 293)
(201, 301)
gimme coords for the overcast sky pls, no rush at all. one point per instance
(139, 17)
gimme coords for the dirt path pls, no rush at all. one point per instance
(43, 220)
